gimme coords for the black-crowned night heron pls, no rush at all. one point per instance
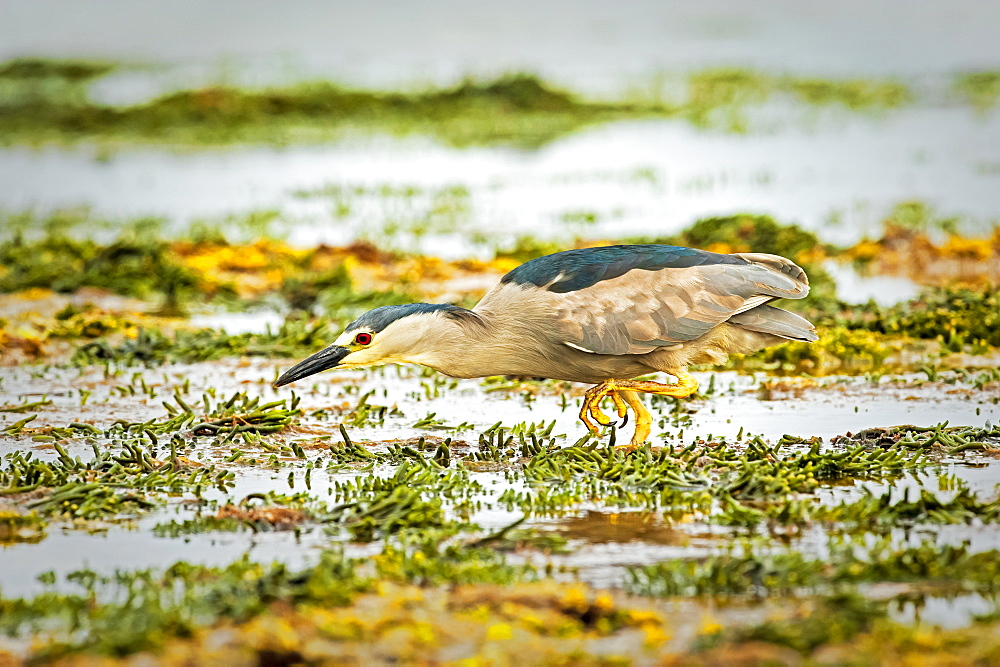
(600, 316)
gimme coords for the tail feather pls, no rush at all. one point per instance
(771, 320)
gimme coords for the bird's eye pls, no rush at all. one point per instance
(363, 338)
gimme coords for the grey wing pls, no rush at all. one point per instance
(641, 311)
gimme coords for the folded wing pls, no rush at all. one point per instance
(642, 310)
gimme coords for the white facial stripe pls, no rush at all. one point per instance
(347, 338)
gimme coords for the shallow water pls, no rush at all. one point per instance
(603, 540)
(650, 178)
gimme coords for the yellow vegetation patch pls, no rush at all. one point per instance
(909, 253)
(481, 624)
(253, 269)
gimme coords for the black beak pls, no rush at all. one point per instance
(322, 360)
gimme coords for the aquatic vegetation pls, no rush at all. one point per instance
(186, 272)
(758, 574)
(874, 513)
(722, 97)
(340, 283)
(917, 216)
(44, 68)
(88, 321)
(277, 512)
(869, 337)
(910, 252)
(838, 350)
(462, 535)
(526, 248)
(127, 481)
(396, 217)
(109, 485)
(247, 608)
(829, 620)
(20, 527)
(151, 347)
(388, 506)
(446, 541)
(514, 109)
(981, 89)
(133, 267)
(751, 233)
(415, 501)
(157, 607)
(38, 83)
(972, 315)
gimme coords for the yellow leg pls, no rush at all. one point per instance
(643, 420)
(623, 392)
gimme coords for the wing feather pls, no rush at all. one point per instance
(640, 310)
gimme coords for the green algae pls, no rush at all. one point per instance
(138, 267)
(875, 513)
(20, 527)
(109, 485)
(145, 608)
(958, 316)
(980, 89)
(919, 216)
(413, 501)
(526, 248)
(43, 68)
(855, 337)
(515, 109)
(958, 568)
(830, 620)
(151, 347)
(860, 338)
(182, 273)
(721, 98)
(125, 477)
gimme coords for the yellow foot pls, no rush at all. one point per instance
(624, 394)
(592, 406)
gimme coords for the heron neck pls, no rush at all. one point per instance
(479, 344)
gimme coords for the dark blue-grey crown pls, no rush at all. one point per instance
(378, 319)
(585, 267)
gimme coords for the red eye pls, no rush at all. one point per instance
(363, 338)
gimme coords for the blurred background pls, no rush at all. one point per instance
(499, 132)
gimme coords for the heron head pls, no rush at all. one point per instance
(390, 334)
